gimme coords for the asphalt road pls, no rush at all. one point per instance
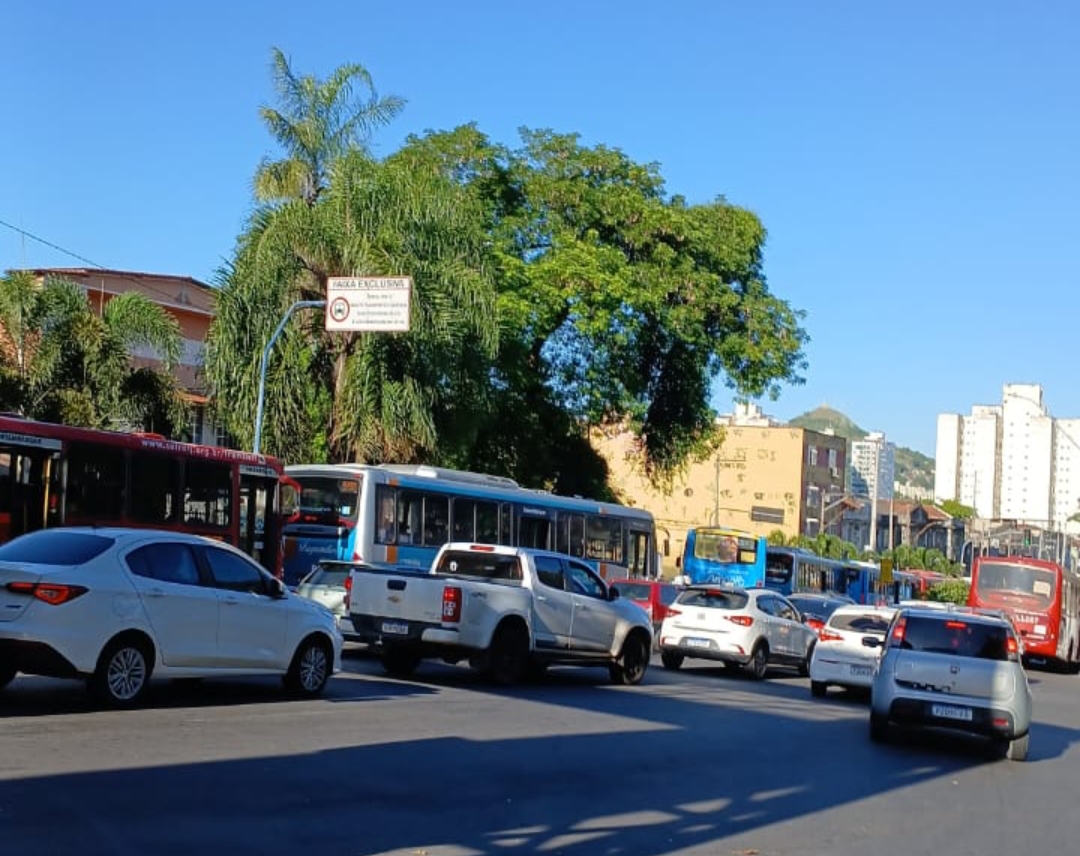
(690, 762)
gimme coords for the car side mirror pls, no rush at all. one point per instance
(612, 593)
(871, 642)
(277, 589)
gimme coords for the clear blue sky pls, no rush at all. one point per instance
(916, 163)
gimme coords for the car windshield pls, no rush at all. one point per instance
(954, 636)
(818, 606)
(331, 577)
(326, 499)
(867, 623)
(714, 598)
(1005, 581)
(724, 548)
(491, 566)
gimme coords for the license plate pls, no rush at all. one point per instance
(949, 711)
(395, 627)
(696, 643)
(861, 671)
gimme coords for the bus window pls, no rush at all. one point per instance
(436, 515)
(385, 502)
(534, 532)
(604, 538)
(95, 481)
(475, 520)
(154, 479)
(207, 494)
(638, 560)
(570, 534)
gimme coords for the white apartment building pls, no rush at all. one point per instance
(873, 466)
(1011, 461)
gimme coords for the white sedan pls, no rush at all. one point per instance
(848, 648)
(116, 606)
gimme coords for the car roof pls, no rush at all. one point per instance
(863, 609)
(951, 614)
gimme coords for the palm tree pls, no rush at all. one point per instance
(316, 122)
(64, 362)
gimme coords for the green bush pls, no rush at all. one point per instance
(950, 591)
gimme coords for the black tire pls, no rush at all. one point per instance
(7, 675)
(633, 662)
(310, 670)
(879, 728)
(508, 656)
(804, 666)
(123, 672)
(818, 689)
(1017, 750)
(536, 671)
(759, 661)
(671, 660)
(399, 662)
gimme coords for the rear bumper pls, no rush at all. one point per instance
(715, 651)
(985, 721)
(36, 658)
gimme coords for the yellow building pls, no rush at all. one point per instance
(765, 477)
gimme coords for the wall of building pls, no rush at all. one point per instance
(947, 456)
(1026, 454)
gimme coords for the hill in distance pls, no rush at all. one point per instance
(912, 468)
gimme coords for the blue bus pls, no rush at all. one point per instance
(397, 515)
(862, 582)
(717, 554)
(789, 570)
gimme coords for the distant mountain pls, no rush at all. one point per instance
(912, 468)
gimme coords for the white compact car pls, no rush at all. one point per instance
(844, 655)
(117, 606)
(754, 628)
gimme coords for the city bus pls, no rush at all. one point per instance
(396, 515)
(1042, 598)
(717, 554)
(56, 475)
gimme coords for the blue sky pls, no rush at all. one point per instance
(915, 163)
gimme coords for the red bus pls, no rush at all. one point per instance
(1042, 598)
(55, 475)
(923, 581)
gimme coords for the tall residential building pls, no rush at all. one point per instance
(1027, 442)
(1014, 461)
(873, 466)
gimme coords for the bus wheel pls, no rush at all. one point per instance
(399, 662)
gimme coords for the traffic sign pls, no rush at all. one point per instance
(886, 570)
(368, 304)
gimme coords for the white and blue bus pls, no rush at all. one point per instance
(398, 516)
(793, 570)
(719, 554)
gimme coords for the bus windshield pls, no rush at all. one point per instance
(327, 500)
(999, 580)
(724, 548)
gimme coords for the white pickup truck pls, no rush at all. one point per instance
(508, 611)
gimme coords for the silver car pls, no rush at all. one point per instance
(754, 628)
(955, 670)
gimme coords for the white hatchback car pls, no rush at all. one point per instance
(843, 657)
(116, 606)
(754, 628)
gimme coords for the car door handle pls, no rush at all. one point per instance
(231, 601)
(156, 592)
(481, 595)
(541, 598)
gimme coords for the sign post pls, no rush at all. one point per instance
(358, 304)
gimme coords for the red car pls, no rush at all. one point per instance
(653, 596)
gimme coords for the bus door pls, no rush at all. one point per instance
(259, 529)
(30, 480)
(535, 528)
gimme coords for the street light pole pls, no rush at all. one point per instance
(299, 304)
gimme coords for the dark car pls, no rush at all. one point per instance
(816, 608)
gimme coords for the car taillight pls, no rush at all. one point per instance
(451, 603)
(741, 620)
(672, 611)
(829, 636)
(814, 624)
(50, 593)
(1012, 648)
(348, 591)
(896, 639)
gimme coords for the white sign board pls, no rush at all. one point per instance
(368, 303)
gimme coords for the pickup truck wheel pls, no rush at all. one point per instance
(509, 655)
(633, 661)
(399, 662)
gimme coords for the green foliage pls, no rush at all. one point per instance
(60, 361)
(949, 591)
(956, 509)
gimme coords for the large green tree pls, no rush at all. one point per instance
(62, 361)
(618, 304)
(315, 122)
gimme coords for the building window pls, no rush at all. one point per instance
(813, 456)
(832, 458)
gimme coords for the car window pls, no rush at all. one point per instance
(330, 577)
(550, 571)
(668, 593)
(234, 572)
(584, 581)
(484, 565)
(856, 623)
(168, 562)
(957, 637)
(767, 605)
(55, 547)
(713, 598)
(785, 609)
